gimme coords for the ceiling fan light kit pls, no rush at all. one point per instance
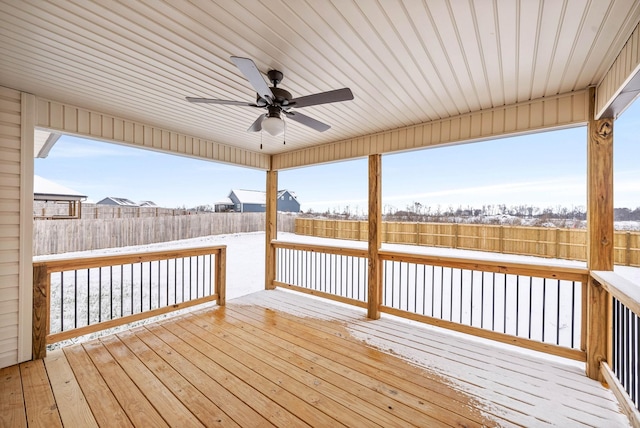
(273, 125)
(277, 101)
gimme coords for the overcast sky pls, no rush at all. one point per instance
(543, 170)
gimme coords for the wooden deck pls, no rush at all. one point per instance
(285, 359)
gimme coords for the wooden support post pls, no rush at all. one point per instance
(599, 234)
(40, 327)
(271, 231)
(221, 277)
(374, 294)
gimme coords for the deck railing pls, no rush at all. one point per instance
(74, 297)
(528, 305)
(337, 273)
(623, 338)
(539, 307)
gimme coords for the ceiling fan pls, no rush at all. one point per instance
(277, 101)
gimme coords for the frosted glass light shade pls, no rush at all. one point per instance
(273, 125)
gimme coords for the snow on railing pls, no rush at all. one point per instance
(74, 297)
(534, 306)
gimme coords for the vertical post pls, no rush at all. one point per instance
(271, 231)
(599, 233)
(40, 311)
(221, 276)
(374, 294)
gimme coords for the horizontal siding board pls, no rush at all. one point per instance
(10, 153)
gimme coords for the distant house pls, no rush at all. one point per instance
(149, 204)
(122, 202)
(245, 201)
(288, 202)
(47, 191)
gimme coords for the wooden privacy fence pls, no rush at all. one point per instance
(51, 210)
(570, 244)
(62, 236)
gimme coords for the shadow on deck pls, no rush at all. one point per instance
(285, 359)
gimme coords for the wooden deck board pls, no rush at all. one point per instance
(12, 410)
(72, 405)
(372, 400)
(39, 402)
(278, 358)
(207, 412)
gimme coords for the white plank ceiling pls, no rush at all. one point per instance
(407, 62)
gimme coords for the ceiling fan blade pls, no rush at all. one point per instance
(253, 75)
(308, 121)
(257, 125)
(334, 96)
(214, 101)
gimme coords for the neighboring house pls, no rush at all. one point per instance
(246, 201)
(122, 202)
(47, 191)
(288, 201)
(148, 204)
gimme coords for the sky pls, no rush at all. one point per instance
(542, 170)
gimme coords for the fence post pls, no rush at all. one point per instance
(41, 287)
(221, 276)
(627, 254)
(455, 235)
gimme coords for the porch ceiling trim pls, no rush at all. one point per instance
(621, 84)
(68, 119)
(561, 111)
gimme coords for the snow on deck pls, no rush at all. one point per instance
(509, 385)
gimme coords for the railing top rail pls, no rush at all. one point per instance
(345, 251)
(529, 269)
(63, 264)
(621, 288)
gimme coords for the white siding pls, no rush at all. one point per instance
(10, 168)
(617, 88)
(75, 120)
(544, 113)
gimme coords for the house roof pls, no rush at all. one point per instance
(118, 201)
(147, 204)
(47, 190)
(250, 196)
(408, 63)
(257, 196)
(282, 192)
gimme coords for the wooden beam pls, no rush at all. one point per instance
(40, 310)
(271, 231)
(374, 294)
(599, 233)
